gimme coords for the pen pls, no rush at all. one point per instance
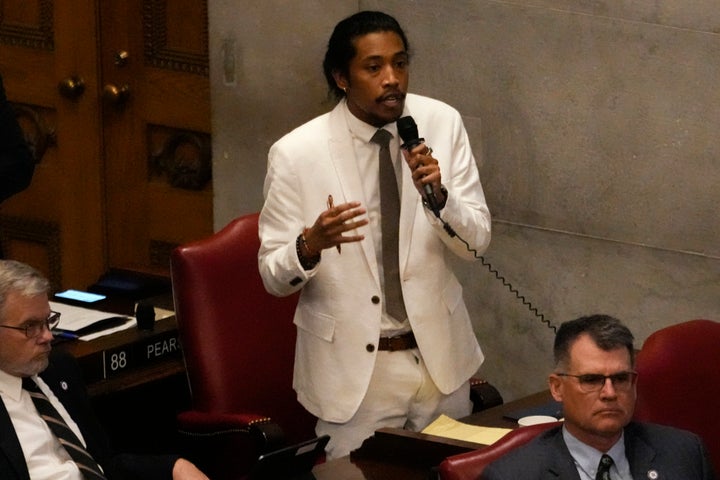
(65, 335)
(330, 205)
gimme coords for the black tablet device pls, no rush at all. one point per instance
(290, 463)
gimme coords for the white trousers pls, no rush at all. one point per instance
(401, 394)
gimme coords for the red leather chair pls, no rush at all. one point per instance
(469, 466)
(679, 380)
(238, 343)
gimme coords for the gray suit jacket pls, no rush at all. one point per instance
(670, 452)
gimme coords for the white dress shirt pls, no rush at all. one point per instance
(46, 458)
(366, 157)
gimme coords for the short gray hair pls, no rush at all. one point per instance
(22, 278)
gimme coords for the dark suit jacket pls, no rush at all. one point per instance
(63, 377)
(672, 453)
(16, 161)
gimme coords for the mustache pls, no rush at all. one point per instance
(393, 95)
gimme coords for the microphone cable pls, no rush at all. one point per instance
(543, 319)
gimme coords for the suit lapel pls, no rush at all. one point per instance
(561, 464)
(342, 158)
(10, 445)
(409, 198)
(640, 455)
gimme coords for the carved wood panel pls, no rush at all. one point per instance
(34, 242)
(56, 224)
(158, 145)
(178, 46)
(27, 24)
(181, 158)
(121, 184)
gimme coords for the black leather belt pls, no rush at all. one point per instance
(406, 341)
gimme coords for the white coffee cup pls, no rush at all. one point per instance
(535, 419)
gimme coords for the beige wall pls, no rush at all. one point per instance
(595, 126)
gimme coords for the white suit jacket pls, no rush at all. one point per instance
(339, 311)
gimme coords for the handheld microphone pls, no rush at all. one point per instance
(407, 129)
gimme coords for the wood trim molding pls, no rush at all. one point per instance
(45, 234)
(161, 55)
(40, 36)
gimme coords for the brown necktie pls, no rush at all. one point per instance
(390, 223)
(603, 472)
(85, 462)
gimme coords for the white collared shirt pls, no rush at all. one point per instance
(45, 457)
(366, 158)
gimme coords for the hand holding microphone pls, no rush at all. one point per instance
(407, 129)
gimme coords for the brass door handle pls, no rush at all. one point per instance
(71, 87)
(121, 58)
(115, 95)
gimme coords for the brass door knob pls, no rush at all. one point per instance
(121, 58)
(71, 87)
(115, 95)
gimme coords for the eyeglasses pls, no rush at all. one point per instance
(593, 382)
(35, 329)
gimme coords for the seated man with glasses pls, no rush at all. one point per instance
(47, 429)
(594, 378)
(35, 328)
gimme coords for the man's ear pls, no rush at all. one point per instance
(556, 387)
(340, 80)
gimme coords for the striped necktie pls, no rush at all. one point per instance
(72, 444)
(603, 472)
(390, 225)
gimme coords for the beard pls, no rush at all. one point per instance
(34, 366)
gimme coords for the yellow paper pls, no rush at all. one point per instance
(445, 426)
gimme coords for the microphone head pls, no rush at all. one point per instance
(408, 131)
(145, 316)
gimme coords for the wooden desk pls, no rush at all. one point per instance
(397, 453)
(138, 405)
(495, 417)
(101, 379)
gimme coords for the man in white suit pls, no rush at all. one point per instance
(357, 366)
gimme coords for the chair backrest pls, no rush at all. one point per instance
(238, 341)
(469, 466)
(679, 380)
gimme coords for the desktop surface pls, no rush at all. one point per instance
(398, 453)
(137, 403)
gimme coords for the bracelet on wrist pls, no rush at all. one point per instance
(308, 263)
(312, 253)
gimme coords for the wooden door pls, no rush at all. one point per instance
(123, 147)
(156, 119)
(56, 224)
